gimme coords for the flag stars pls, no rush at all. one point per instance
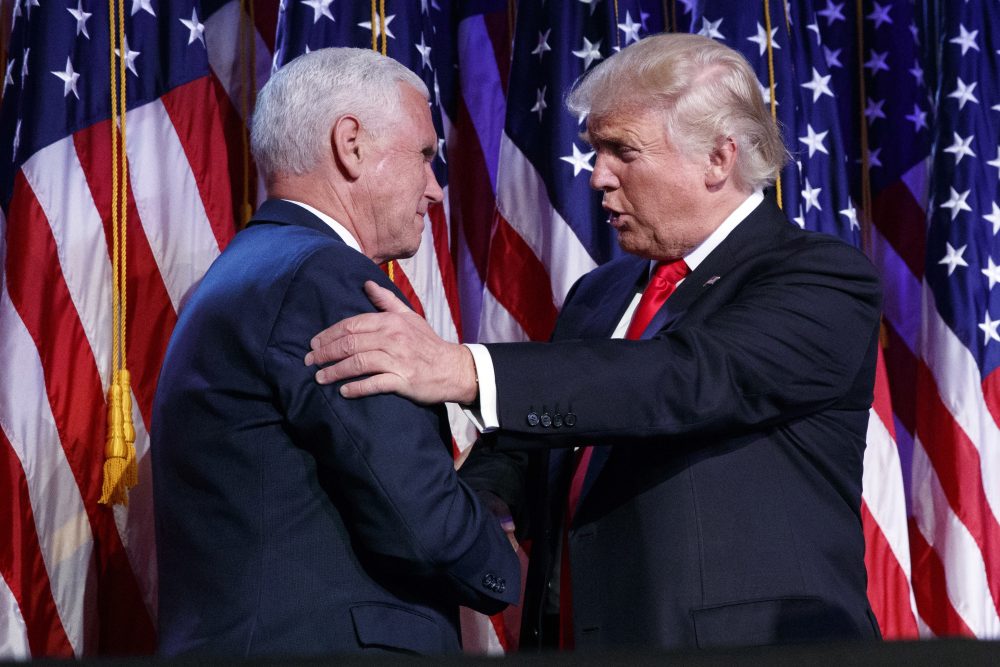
(592, 3)
(873, 157)
(367, 25)
(579, 160)
(918, 118)
(953, 257)
(814, 140)
(441, 151)
(961, 147)
(8, 79)
(963, 93)
(956, 204)
(819, 85)
(834, 12)
(425, 53)
(17, 141)
(995, 162)
(630, 28)
(321, 9)
(196, 28)
(589, 52)
(811, 195)
(992, 272)
(989, 328)
(81, 18)
(874, 110)
(965, 39)
(880, 15)
(876, 62)
(543, 44)
(994, 218)
(69, 79)
(765, 92)
(130, 57)
(851, 214)
(761, 38)
(28, 4)
(24, 66)
(14, 14)
(918, 72)
(832, 58)
(540, 105)
(143, 6)
(814, 26)
(711, 28)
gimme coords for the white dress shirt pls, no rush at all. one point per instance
(342, 232)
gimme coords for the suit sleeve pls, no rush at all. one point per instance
(793, 340)
(390, 459)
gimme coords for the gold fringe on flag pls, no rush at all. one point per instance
(120, 468)
(771, 87)
(378, 30)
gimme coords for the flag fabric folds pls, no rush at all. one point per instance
(891, 113)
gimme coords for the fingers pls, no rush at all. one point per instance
(369, 362)
(384, 299)
(377, 384)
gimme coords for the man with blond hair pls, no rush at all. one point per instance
(699, 483)
(291, 521)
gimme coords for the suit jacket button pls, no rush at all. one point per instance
(501, 585)
(570, 419)
(546, 420)
(557, 420)
(532, 418)
(489, 582)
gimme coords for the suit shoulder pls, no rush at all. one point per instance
(822, 250)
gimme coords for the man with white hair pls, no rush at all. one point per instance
(714, 497)
(289, 520)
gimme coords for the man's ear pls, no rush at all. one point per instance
(721, 162)
(346, 144)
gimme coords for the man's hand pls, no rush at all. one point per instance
(398, 350)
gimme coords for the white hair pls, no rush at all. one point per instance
(299, 104)
(706, 91)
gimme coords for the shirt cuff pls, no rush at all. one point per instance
(484, 415)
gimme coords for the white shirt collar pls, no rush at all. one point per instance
(342, 232)
(698, 255)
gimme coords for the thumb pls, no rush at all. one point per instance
(384, 299)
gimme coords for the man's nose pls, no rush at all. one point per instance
(602, 178)
(433, 191)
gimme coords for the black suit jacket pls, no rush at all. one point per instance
(289, 520)
(722, 504)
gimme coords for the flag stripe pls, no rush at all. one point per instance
(528, 299)
(887, 581)
(21, 563)
(13, 634)
(73, 387)
(930, 589)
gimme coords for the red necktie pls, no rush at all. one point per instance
(661, 285)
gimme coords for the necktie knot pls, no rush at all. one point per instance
(661, 285)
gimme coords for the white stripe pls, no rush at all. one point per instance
(965, 571)
(60, 185)
(167, 199)
(497, 325)
(222, 36)
(13, 633)
(478, 635)
(882, 482)
(959, 385)
(61, 521)
(524, 202)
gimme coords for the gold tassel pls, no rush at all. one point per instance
(115, 451)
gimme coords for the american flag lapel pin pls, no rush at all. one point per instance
(711, 281)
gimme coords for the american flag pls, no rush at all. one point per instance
(78, 578)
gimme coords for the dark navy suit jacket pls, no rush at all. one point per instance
(290, 520)
(722, 504)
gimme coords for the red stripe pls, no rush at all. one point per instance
(956, 461)
(472, 199)
(901, 365)
(403, 283)
(151, 317)
(198, 117)
(498, 28)
(930, 590)
(888, 588)
(991, 394)
(439, 231)
(519, 282)
(21, 563)
(265, 16)
(41, 297)
(898, 217)
(882, 400)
